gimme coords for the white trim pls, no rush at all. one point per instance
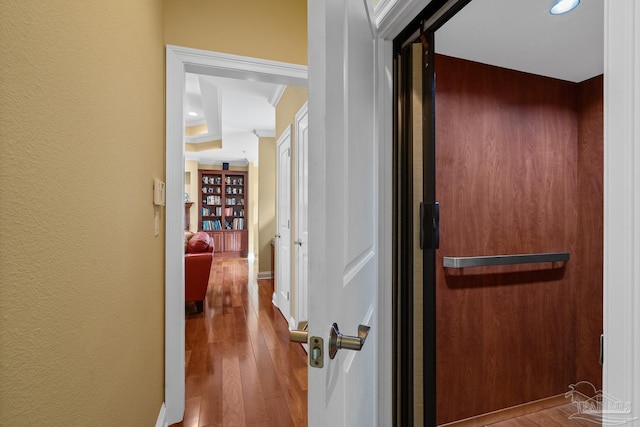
(180, 60)
(162, 417)
(622, 203)
(316, 24)
(204, 137)
(284, 278)
(235, 66)
(276, 95)
(300, 160)
(382, 9)
(264, 133)
(265, 275)
(398, 16)
(174, 245)
(384, 138)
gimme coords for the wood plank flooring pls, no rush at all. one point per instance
(241, 369)
(558, 416)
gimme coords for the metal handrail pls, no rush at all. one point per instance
(483, 261)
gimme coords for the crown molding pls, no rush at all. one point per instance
(264, 133)
(205, 137)
(276, 95)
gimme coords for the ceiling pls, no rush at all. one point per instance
(522, 35)
(516, 34)
(234, 111)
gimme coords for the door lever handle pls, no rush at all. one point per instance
(338, 341)
(301, 334)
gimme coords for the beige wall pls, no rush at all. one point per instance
(275, 30)
(82, 294)
(254, 202)
(292, 100)
(267, 197)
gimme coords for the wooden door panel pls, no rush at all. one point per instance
(507, 184)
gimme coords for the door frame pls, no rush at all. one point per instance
(621, 375)
(302, 156)
(621, 370)
(284, 270)
(179, 61)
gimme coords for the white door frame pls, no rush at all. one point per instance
(621, 369)
(180, 60)
(621, 175)
(301, 244)
(282, 284)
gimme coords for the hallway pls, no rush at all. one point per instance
(241, 369)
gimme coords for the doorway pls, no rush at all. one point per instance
(182, 60)
(499, 153)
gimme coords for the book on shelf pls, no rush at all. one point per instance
(211, 225)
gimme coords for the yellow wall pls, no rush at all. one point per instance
(292, 100)
(254, 202)
(275, 30)
(267, 207)
(81, 273)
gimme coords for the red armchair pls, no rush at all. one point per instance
(197, 266)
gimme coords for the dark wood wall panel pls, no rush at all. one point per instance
(590, 231)
(507, 168)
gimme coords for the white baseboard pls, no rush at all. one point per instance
(162, 417)
(265, 275)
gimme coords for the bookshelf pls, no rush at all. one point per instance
(223, 212)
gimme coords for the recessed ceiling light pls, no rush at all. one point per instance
(193, 114)
(559, 7)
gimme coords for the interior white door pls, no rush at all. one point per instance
(283, 222)
(301, 243)
(343, 209)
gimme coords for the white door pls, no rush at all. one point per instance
(301, 243)
(283, 224)
(343, 210)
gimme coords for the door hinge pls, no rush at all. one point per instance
(288, 152)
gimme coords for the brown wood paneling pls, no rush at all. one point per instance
(506, 182)
(590, 231)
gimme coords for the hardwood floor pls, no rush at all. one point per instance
(558, 416)
(241, 369)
